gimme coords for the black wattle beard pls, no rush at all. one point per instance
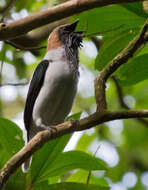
(75, 40)
(72, 43)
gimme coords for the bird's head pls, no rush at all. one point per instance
(65, 35)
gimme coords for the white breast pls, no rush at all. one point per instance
(56, 97)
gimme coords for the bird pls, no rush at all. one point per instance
(53, 86)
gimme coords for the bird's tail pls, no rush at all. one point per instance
(26, 165)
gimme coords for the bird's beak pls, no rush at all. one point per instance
(71, 27)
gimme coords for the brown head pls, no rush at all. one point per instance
(65, 35)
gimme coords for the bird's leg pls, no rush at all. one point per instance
(42, 126)
(74, 122)
(50, 128)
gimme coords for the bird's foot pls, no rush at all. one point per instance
(74, 122)
(49, 128)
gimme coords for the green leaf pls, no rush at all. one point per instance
(10, 137)
(85, 141)
(109, 18)
(53, 180)
(82, 175)
(16, 181)
(73, 186)
(41, 186)
(74, 116)
(4, 156)
(73, 160)
(143, 50)
(112, 46)
(43, 159)
(134, 71)
(10, 143)
(136, 8)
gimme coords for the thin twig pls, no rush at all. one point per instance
(119, 93)
(121, 100)
(89, 174)
(14, 84)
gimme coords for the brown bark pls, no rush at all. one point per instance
(20, 27)
(113, 65)
(42, 137)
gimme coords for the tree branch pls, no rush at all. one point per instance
(35, 38)
(24, 48)
(113, 65)
(122, 103)
(102, 115)
(126, 53)
(119, 93)
(68, 127)
(100, 94)
(69, 8)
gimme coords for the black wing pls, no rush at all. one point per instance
(34, 89)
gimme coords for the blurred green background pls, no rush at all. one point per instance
(65, 163)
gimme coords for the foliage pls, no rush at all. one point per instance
(52, 167)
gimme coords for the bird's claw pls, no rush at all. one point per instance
(74, 122)
(49, 128)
